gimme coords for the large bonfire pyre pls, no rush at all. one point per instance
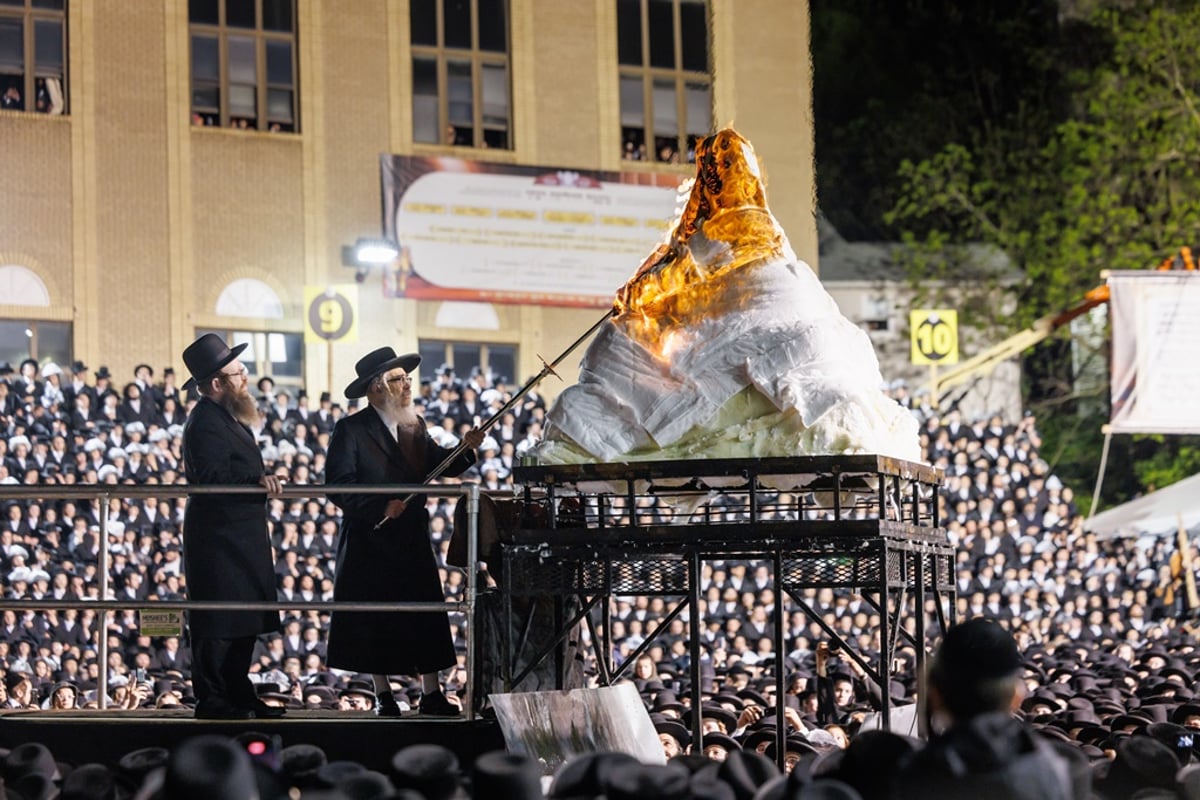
(725, 345)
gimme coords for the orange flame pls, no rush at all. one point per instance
(725, 226)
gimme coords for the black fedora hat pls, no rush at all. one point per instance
(374, 364)
(206, 356)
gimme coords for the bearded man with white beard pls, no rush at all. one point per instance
(384, 551)
(226, 552)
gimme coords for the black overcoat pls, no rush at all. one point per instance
(394, 563)
(226, 552)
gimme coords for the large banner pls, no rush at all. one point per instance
(1155, 352)
(474, 230)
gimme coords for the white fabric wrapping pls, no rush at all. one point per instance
(770, 326)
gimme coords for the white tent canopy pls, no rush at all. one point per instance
(1156, 513)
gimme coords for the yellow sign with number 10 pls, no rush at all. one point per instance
(934, 336)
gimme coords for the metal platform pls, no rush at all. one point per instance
(591, 531)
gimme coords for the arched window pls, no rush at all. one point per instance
(247, 297)
(20, 286)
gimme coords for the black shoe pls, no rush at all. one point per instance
(386, 705)
(222, 711)
(263, 711)
(436, 705)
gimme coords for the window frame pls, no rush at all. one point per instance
(260, 366)
(462, 373)
(222, 31)
(442, 55)
(33, 337)
(679, 77)
(29, 15)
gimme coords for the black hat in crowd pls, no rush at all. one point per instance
(429, 769)
(78, 368)
(6, 368)
(506, 776)
(206, 356)
(1142, 762)
(589, 774)
(675, 729)
(669, 781)
(300, 763)
(103, 373)
(89, 782)
(29, 758)
(374, 364)
(209, 766)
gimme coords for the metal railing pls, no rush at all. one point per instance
(104, 493)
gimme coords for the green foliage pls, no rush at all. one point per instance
(1114, 184)
(1163, 460)
(1072, 151)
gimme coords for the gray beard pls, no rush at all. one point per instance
(406, 416)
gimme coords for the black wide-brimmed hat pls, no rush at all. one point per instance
(206, 356)
(374, 364)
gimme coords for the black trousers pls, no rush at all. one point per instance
(219, 671)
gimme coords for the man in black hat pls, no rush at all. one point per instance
(978, 749)
(76, 386)
(384, 553)
(226, 552)
(160, 392)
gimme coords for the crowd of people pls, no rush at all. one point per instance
(1106, 649)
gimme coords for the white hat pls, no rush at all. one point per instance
(19, 439)
(159, 435)
(105, 471)
(51, 369)
(116, 527)
(286, 448)
(18, 550)
(116, 452)
(20, 574)
(92, 445)
(489, 443)
(443, 437)
(135, 427)
(175, 430)
(490, 396)
(270, 452)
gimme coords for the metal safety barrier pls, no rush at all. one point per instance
(104, 493)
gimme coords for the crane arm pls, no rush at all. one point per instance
(992, 357)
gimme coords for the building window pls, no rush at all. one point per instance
(37, 339)
(244, 64)
(665, 78)
(273, 354)
(497, 363)
(33, 46)
(460, 68)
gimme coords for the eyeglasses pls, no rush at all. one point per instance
(241, 373)
(405, 379)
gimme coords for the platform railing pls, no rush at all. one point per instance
(103, 494)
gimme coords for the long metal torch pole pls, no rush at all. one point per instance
(547, 369)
